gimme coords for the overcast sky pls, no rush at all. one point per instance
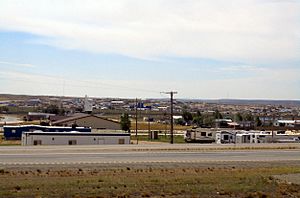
(138, 48)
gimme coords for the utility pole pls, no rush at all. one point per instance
(171, 119)
(149, 129)
(273, 117)
(136, 120)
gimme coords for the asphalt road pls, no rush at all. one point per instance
(136, 155)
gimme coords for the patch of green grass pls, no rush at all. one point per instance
(161, 138)
(148, 182)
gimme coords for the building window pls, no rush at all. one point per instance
(72, 142)
(37, 142)
(203, 133)
(209, 134)
(52, 139)
(226, 137)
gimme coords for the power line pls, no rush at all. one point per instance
(136, 121)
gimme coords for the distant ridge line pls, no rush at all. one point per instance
(247, 101)
(284, 102)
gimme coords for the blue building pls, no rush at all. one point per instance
(15, 132)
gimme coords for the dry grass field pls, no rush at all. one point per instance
(157, 126)
(8, 142)
(161, 138)
(148, 182)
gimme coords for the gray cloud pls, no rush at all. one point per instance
(247, 31)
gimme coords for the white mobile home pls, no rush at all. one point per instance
(200, 135)
(253, 137)
(74, 138)
(285, 123)
(225, 137)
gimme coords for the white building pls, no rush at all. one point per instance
(254, 137)
(74, 138)
(225, 137)
(201, 135)
(88, 106)
(285, 123)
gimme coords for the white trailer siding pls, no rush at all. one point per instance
(224, 137)
(251, 138)
(200, 135)
(74, 138)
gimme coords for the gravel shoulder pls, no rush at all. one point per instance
(290, 178)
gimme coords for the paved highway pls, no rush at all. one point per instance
(137, 154)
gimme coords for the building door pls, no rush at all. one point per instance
(72, 142)
(121, 141)
(37, 142)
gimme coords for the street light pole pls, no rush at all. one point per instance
(172, 135)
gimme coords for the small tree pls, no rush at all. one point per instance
(52, 109)
(258, 121)
(179, 121)
(198, 119)
(187, 116)
(238, 117)
(125, 122)
(248, 117)
(208, 120)
(218, 115)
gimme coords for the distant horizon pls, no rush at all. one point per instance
(98, 97)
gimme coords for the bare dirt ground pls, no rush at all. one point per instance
(291, 178)
(206, 179)
(152, 180)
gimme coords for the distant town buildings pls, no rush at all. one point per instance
(157, 109)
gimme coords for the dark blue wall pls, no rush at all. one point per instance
(15, 133)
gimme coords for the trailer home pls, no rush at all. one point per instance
(74, 138)
(253, 137)
(225, 137)
(200, 135)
